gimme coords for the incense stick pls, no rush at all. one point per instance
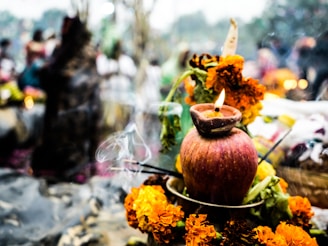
(120, 169)
(169, 172)
(274, 146)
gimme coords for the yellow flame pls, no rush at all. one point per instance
(219, 102)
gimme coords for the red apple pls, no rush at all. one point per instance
(220, 169)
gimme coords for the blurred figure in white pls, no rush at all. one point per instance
(118, 87)
(7, 63)
(148, 99)
(51, 43)
(148, 88)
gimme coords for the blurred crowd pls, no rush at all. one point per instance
(89, 93)
(297, 72)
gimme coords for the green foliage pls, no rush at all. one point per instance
(275, 206)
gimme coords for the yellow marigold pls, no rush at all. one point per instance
(295, 235)
(198, 230)
(128, 204)
(163, 220)
(265, 169)
(149, 197)
(249, 114)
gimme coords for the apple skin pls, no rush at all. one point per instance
(218, 170)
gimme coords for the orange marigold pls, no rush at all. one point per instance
(300, 206)
(149, 197)
(264, 234)
(226, 74)
(295, 235)
(285, 235)
(163, 220)
(302, 211)
(283, 184)
(128, 204)
(242, 93)
(198, 230)
(189, 86)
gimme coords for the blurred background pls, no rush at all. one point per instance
(81, 85)
(156, 25)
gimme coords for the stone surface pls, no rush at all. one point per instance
(34, 213)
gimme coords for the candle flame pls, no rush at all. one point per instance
(219, 102)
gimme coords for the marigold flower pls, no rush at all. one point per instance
(163, 220)
(300, 206)
(301, 209)
(226, 73)
(128, 204)
(148, 209)
(149, 197)
(264, 234)
(198, 230)
(285, 235)
(283, 184)
(295, 235)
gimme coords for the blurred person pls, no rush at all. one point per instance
(266, 60)
(148, 99)
(299, 60)
(118, 70)
(319, 60)
(73, 113)
(7, 63)
(35, 55)
(51, 43)
(281, 51)
(117, 67)
(149, 83)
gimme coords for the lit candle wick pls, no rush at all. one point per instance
(213, 113)
(217, 107)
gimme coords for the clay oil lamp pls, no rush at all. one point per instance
(219, 161)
